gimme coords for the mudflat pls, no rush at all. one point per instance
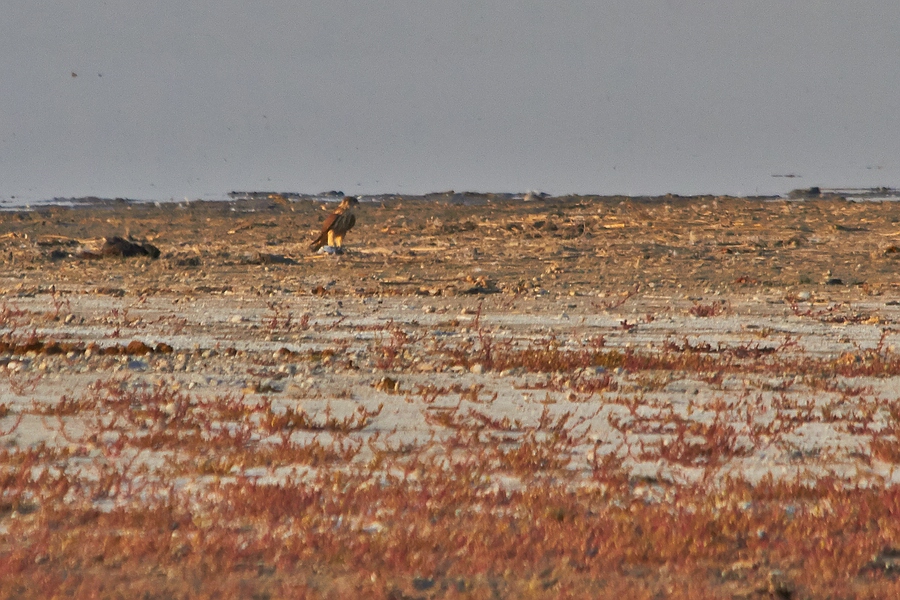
(580, 245)
(538, 361)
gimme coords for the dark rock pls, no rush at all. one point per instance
(813, 192)
(53, 347)
(276, 259)
(189, 261)
(137, 347)
(886, 563)
(259, 258)
(111, 291)
(423, 583)
(478, 289)
(118, 246)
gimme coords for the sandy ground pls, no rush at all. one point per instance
(406, 319)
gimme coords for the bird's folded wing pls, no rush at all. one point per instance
(329, 222)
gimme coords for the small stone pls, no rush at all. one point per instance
(477, 369)
(137, 347)
(421, 583)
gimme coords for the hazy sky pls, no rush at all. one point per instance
(199, 97)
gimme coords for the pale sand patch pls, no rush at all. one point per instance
(235, 346)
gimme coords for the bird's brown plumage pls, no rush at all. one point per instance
(336, 225)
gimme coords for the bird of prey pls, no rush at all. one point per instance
(336, 226)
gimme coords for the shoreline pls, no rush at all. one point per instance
(873, 194)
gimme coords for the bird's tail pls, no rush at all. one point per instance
(318, 243)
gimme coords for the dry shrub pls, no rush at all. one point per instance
(170, 495)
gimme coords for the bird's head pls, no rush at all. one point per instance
(348, 202)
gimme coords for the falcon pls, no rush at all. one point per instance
(336, 226)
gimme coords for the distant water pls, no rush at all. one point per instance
(18, 203)
(882, 194)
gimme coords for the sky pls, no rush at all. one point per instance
(195, 98)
